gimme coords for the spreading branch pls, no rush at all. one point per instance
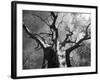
(50, 26)
(53, 29)
(40, 40)
(67, 39)
(54, 21)
(78, 44)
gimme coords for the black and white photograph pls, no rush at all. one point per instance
(54, 39)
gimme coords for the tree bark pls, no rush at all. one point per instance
(68, 58)
(51, 56)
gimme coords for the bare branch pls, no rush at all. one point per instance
(52, 26)
(74, 47)
(54, 21)
(67, 39)
(64, 43)
(52, 13)
(40, 40)
(49, 34)
(86, 37)
(86, 33)
(27, 30)
(78, 44)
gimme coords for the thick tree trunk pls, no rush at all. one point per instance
(68, 51)
(52, 59)
(68, 58)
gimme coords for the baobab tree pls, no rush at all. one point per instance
(66, 33)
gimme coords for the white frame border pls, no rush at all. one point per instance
(36, 72)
